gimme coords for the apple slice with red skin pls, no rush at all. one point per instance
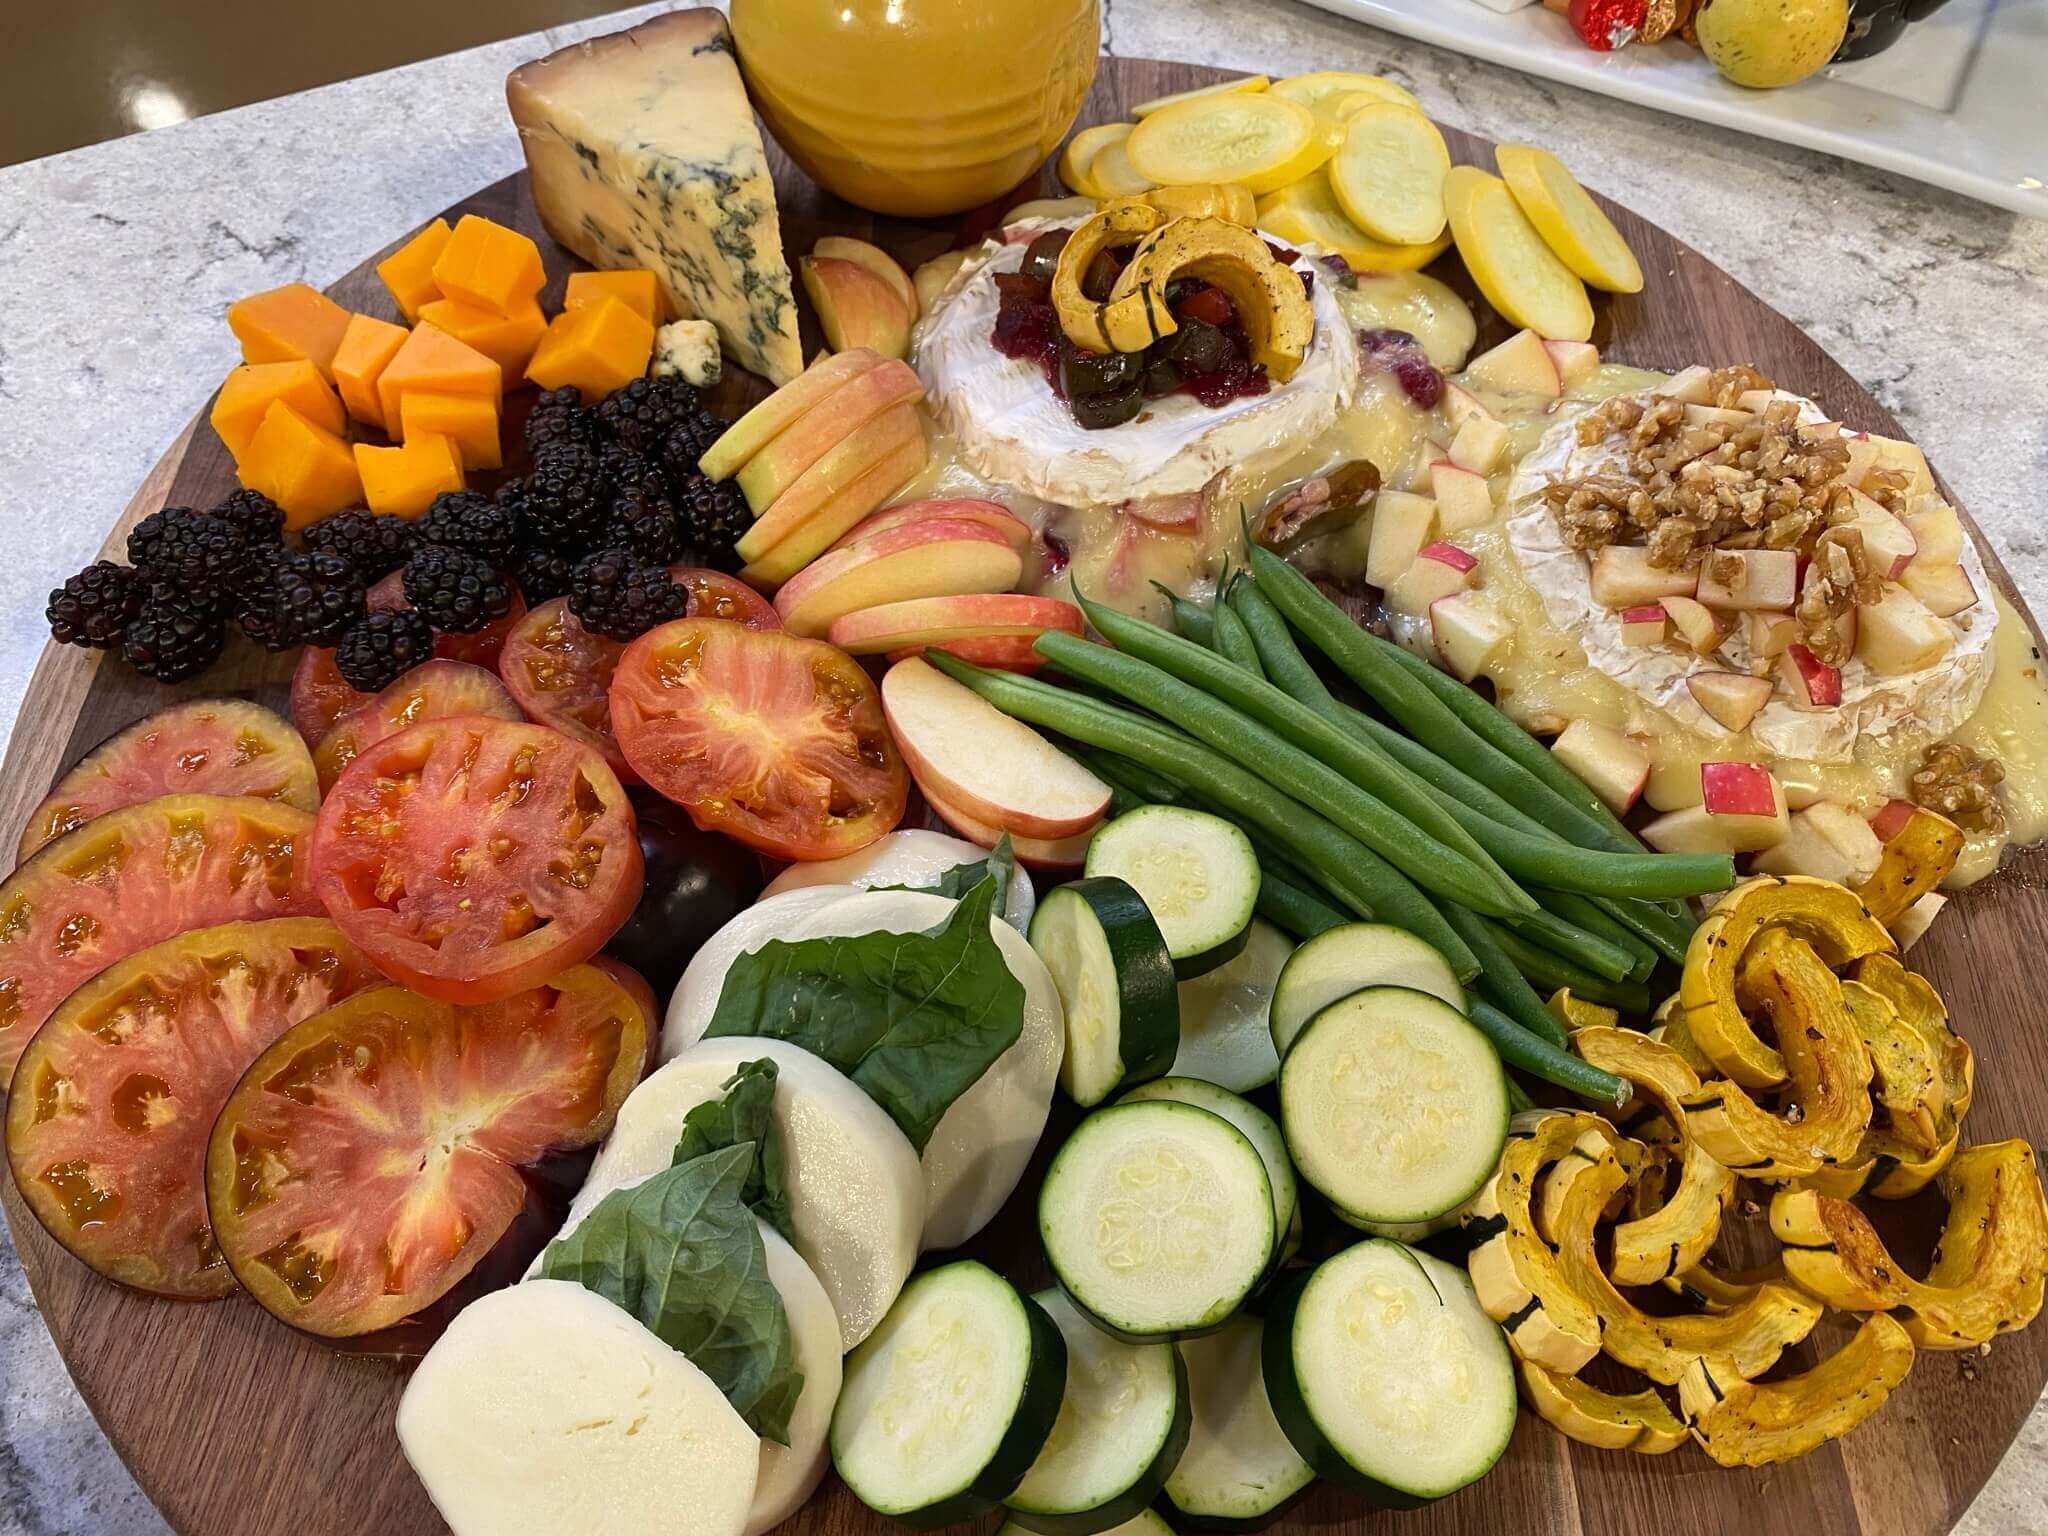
(1733, 699)
(780, 466)
(856, 308)
(1611, 764)
(1891, 818)
(1000, 653)
(1812, 684)
(832, 495)
(934, 558)
(1742, 810)
(1698, 626)
(994, 769)
(1441, 570)
(1770, 633)
(1624, 578)
(1521, 365)
(1946, 589)
(875, 259)
(1050, 854)
(761, 425)
(1645, 625)
(916, 622)
(970, 509)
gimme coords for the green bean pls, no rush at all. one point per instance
(1122, 802)
(1542, 1058)
(1238, 737)
(1500, 979)
(1649, 921)
(1589, 914)
(1550, 969)
(1365, 882)
(1234, 642)
(1293, 910)
(1518, 1096)
(1122, 773)
(1194, 622)
(1580, 946)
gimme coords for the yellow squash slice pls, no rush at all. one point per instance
(1307, 213)
(1916, 860)
(1519, 275)
(1113, 174)
(1389, 174)
(1327, 84)
(1247, 84)
(1081, 151)
(1261, 140)
(1743, 1424)
(1634, 1421)
(1569, 221)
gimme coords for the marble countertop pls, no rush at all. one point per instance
(117, 264)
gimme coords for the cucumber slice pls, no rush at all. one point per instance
(946, 1404)
(1259, 1129)
(1348, 959)
(1394, 1106)
(1240, 1471)
(1147, 1522)
(1198, 876)
(1388, 1376)
(1122, 1426)
(1225, 1037)
(1115, 981)
(1157, 1219)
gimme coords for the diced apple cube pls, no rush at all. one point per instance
(1461, 406)
(1755, 399)
(1763, 578)
(1688, 385)
(1521, 365)
(1477, 445)
(1899, 633)
(1441, 570)
(1402, 523)
(1937, 533)
(1576, 361)
(1820, 431)
(1614, 766)
(1827, 841)
(1888, 543)
(1717, 416)
(1698, 626)
(1462, 498)
(1469, 633)
(1741, 810)
(1946, 589)
(1801, 784)
(1732, 699)
(1810, 683)
(1896, 453)
(1647, 625)
(1891, 818)
(1770, 633)
(1624, 578)
(1911, 925)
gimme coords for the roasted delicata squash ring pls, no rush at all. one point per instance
(1885, 1167)
(1576, 1013)
(1272, 306)
(1744, 1424)
(1916, 860)
(1206, 200)
(1633, 1421)
(1828, 916)
(1678, 1234)
(1120, 222)
(1712, 1290)
(1988, 1270)
(1906, 1082)
(1920, 1008)
(1635, 1160)
(1514, 1271)
(1824, 1055)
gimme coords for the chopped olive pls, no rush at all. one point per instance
(1101, 275)
(1083, 374)
(1161, 378)
(1197, 347)
(1095, 412)
(1042, 255)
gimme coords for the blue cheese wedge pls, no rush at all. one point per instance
(642, 152)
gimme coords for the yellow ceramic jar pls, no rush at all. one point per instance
(918, 107)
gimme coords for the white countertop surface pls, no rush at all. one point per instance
(117, 264)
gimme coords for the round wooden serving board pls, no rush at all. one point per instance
(236, 1426)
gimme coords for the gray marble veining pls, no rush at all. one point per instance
(118, 262)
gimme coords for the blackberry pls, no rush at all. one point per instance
(456, 591)
(94, 607)
(196, 552)
(173, 637)
(687, 442)
(621, 596)
(375, 544)
(542, 573)
(642, 414)
(563, 497)
(470, 521)
(628, 469)
(644, 523)
(710, 517)
(558, 414)
(375, 651)
(298, 597)
(252, 514)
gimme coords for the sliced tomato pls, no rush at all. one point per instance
(133, 878)
(371, 1157)
(480, 648)
(776, 741)
(115, 1096)
(432, 690)
(715, 595)
(561, 675)
(472, 858)
(321, 695)
(200, 747)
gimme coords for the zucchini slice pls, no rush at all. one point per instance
(1395, 1108)
(1157, 1219)
(1122, 1426)
(1225, 1037)
(1147, 1522)
(1259, 1129)
(944, 1406)
(1240, 1471)
(1349, 959)
(1198, 876)
(1388, 1376)
(1116, 985)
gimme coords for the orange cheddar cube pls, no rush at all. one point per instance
(366, 350)
(638, 290)
(250, 390)
(433, 360)
(409, 271)
(470, 420)
(281, 325)
(507, 340)
(304, 468)
(403, 482)
(598, 348)
(490, 266)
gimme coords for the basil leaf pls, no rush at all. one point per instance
(962, 878)
(746, 1113)
(680, 1251)
(914, 1018)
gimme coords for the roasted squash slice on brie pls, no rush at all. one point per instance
(1272, 306)
(1122, 222)
(1613, 1421)
(1745, 1424)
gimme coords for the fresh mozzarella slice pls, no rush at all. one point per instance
(546, 1408)
(774, 916)
(856, 1193)
(915, 858)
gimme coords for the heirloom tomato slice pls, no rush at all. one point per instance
(472, 858)
(371, 1157)
(133, 878)
(561, 674)
(432, 690)
(715, 595)
(773, 740)
(200, 747)
(321, 695)
(116, 1095)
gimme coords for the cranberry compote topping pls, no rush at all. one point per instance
(1402, 356)
(1211, 306)
(1026, 326)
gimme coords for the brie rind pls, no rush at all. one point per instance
(1011, 429)
(1934, 700)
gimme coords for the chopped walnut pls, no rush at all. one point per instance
(1960, 785)
(1839, 578)
(1595, 511)
(1887, 487)
(1725, 386)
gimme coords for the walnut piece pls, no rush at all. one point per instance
(1960, 785)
